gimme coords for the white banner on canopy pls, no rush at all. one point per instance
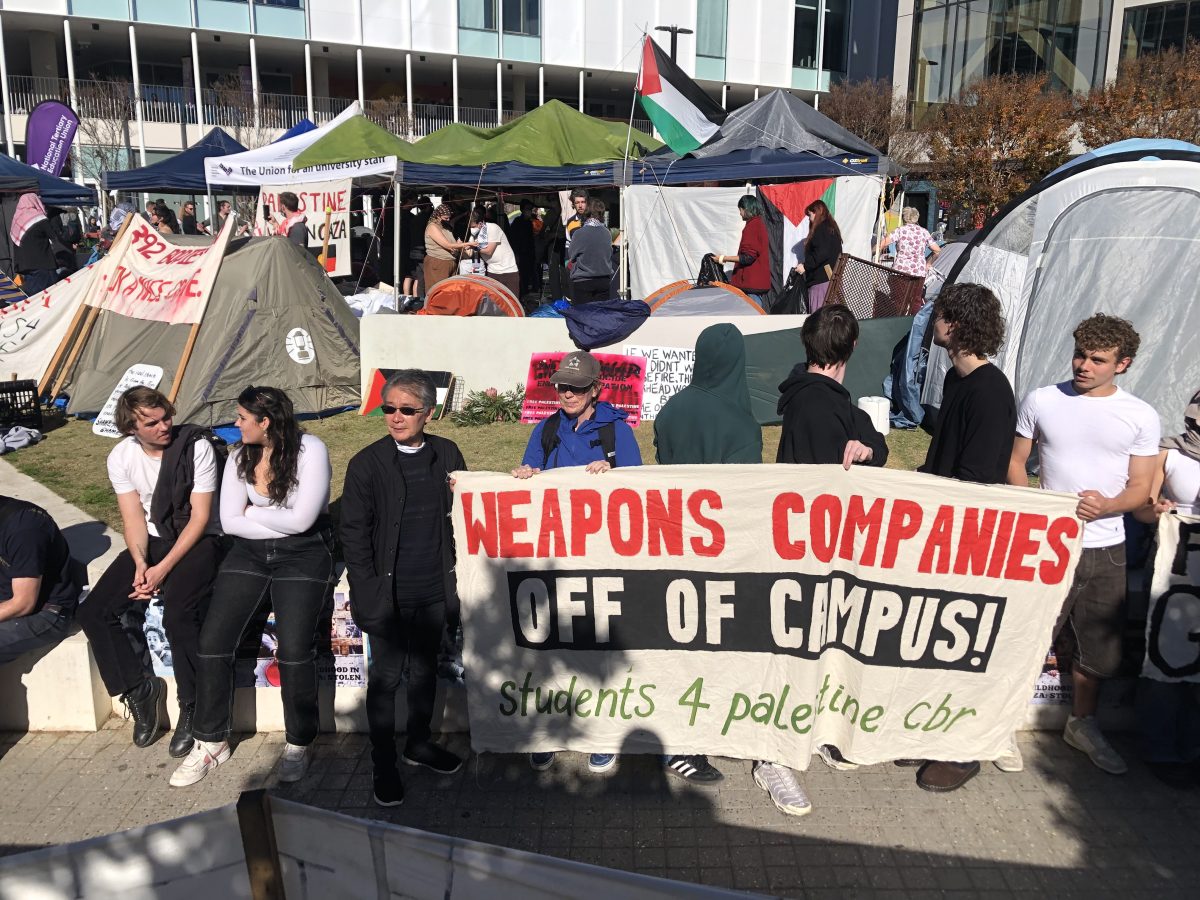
(272, 164)
(32, 329)
(756, 612)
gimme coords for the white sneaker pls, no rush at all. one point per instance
(784, 788)
(203, 757)
(1011, 761)
(1084, 734)
(293, 762)
(833, 758)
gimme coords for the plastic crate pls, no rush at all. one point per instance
(19, 404)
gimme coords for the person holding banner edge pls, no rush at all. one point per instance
(586, 432)
(1100, 442)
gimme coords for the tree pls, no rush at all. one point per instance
(1003, 134)
(1154, 96)
(106, 113)
(869, 109)
(233, 110)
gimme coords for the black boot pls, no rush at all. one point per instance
(144, 704)
(181, 740)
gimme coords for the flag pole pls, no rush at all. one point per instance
(624, 245)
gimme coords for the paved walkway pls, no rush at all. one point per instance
(1060, 828)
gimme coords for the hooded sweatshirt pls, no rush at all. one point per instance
(819, 420)
(580, 446)
(710, 420)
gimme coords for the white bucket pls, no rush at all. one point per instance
(879, 409)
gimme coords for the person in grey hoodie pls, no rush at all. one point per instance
(589, 258)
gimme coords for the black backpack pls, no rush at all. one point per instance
(606, 439)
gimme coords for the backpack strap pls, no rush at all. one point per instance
(608, 442)
(550, 438)
(607, 435)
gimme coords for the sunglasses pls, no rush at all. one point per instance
(403, 410)
(571, 389)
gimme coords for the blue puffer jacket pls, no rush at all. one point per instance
(582, 446)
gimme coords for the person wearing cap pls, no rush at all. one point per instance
(586, 432)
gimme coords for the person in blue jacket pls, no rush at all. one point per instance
(586, 432)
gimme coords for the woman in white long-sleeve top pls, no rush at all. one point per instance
(275, 506)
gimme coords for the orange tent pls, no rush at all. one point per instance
(471, 295)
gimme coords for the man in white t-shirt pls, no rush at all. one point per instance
(1099, 442)
(164, 479)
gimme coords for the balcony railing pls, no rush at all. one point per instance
(234, 109)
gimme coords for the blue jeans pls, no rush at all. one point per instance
(38, 630)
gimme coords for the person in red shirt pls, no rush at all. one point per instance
(752, 262)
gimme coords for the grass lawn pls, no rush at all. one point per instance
(71, 460)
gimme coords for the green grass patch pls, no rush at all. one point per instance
(71, 460)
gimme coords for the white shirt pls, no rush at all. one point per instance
(1182, 482)
(130, 469)
(1085, 443)
(246, 513)
(503, 261)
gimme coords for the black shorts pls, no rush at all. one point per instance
(1094, 611)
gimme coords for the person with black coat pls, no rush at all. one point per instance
(821, 252)
(821, 424)
(35, 245)
(399, 552)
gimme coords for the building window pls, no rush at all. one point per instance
(1151, 29)
(711, 19)
(833, 57)
(477, 14)
(286, 4)
(804, 35)
(522, 17)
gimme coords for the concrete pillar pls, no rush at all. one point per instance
(362, 93)
(199, 88)
(254, 85)
(408, 92)
(499, 94)
(77, 168)
(454, 84)
(308, 82)
(8, 131)
(541, 85)
(724, 96)
(581, 76)
(137, 100)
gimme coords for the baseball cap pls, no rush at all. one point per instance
(578, 369)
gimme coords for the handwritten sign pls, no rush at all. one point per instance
(621, 380)
(135, 375)
(315, 199)
(668, 371)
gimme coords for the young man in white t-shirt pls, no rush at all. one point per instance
(165, 479)
(1099, 442)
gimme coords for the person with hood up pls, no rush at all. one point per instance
(821, 424)
(587, 432)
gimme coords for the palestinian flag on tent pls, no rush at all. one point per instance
(684, 116)
(787, 225)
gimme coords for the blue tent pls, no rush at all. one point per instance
(183, 173)
(304, 125)
(53, 190)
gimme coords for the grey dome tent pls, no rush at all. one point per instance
(273, 318)
(1113, 231)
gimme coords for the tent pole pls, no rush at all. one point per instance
(396, 241)
(52, 368)
(183, 361)
(93, 312)
(880, 229)
(624, 245)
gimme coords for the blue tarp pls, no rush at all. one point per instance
(183, 173)
(54, 191)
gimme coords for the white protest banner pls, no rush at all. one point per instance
(756, 611)
(135, 375)
(32, 329)
(315, 199)
(668, 371)
(1173, 619)
(146, 277)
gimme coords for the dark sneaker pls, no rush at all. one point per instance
(431, 756)
(181, 740)
(694, 769)
(908, 763)
(540, 762)
(389, 789)
(601, 762)
(144, 705)
(943, 777)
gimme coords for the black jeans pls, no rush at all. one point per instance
(590, 290)
(44, 628)
(121, 653)
(293, 574)
(417, 635)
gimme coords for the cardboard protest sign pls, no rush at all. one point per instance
(756, 611)
(621, 380)
(146, 277)
(138, 374)
(668, 371)
(1173, 620)
(315, 199)
(31, 329)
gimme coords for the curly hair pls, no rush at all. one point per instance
(1103, 332)
(976, 315)
(284, 435)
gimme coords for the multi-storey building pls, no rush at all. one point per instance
(258, 66)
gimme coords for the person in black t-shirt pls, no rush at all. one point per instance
(39, 582)
(189, 221)
(973, 440)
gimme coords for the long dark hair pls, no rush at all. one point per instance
(822, 216)
(284, 435)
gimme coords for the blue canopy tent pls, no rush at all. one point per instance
(304, 125)
(183, 173)
(53, 190)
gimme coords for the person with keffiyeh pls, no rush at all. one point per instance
(34, 256)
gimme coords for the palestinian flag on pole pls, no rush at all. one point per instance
(684, 116)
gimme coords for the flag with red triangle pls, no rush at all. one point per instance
(684, 116)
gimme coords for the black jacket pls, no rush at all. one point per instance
(171, 503)
(372, 504)
(822, 249)
(37, 248)
(819, 419)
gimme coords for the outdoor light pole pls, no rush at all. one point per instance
(675, 30)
